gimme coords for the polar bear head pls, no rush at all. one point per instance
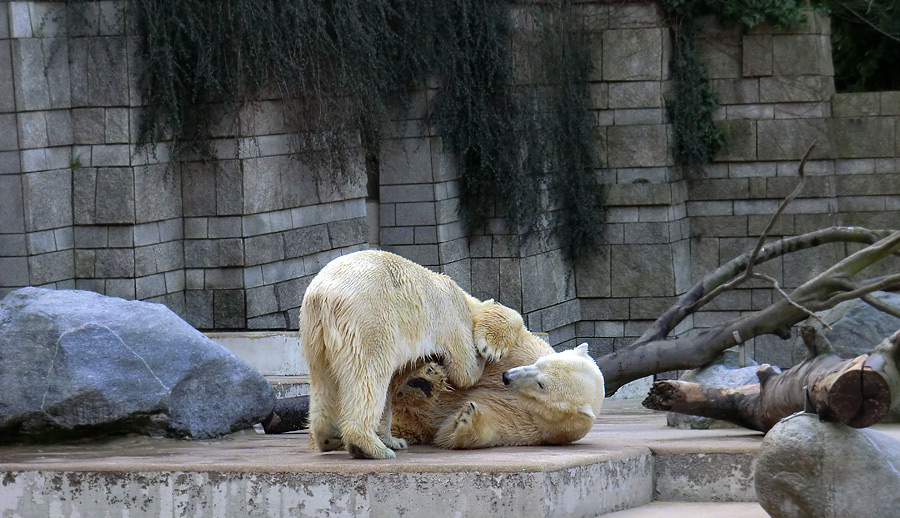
(560, 385)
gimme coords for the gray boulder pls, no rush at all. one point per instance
(78, 364)
(811, 469)
(856, 327)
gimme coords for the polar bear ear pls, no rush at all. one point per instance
(582, 349)
(587, 411)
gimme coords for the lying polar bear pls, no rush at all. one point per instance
(533, 396)
(370, 313)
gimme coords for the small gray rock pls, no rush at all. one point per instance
(79, 364)
(810, 469)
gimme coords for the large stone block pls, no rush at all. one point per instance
(757, 58)
(32, 91)
(198, 185)
(592, 273)
(52, 267)
(720, 54)
(157, 192)
(266, 248)
(780, 89)
(161, 257)
(107, 79)
(47, 197)
(229, 193)
(289, 293)
(7, 89)
(305, 241)
(306, 183)
(740, 141)
(412, 214)
(57, 71)
(634, 94)
(228, 309)
(12, 208)
(212, 253)
(114, 262)
(59, 128)
(88, 125)
(547, 279)
(863, 137)
(407, 160)
(857, 104)
(32, 130)
(719, 226)
(800, 55)
(638, 146)
(632, 54)
(13, 271)
(486, 278)
(349, 232)
(641, 271)
(789, 139)
(262, 185)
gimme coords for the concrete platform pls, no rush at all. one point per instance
(692, 510)
(628, 460)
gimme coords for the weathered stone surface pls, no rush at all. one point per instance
(863, 136)
(630, 266)
(757, 58)
(47, 196)
(788, 139)
(638, 146)
(632, 54)
(809, 469)
(80, 364)
(856, 327)
(32, 91)
(740, 140)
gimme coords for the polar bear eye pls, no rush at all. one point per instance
(540, 385)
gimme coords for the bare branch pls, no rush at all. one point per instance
(688, 302)
(751, 262)
(882, 306)
(789, 299)
(869, 22)
(888, 282)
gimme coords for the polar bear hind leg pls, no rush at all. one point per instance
(467, 429)
(323, 402)
(362, 387)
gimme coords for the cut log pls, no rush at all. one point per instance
(858, 392)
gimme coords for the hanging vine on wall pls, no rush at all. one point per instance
(691, 101)
(342, 67)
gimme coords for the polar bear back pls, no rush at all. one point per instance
(378, 296)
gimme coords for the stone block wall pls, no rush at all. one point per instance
(227, 245)
(233, 244)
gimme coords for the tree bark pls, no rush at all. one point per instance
(857, 392)
(654, 352)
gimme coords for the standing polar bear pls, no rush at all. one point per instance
(370, 313)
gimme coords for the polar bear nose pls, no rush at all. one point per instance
(505, 378)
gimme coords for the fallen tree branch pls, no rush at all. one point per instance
(857, 392)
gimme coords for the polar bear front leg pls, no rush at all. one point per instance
(468, 429)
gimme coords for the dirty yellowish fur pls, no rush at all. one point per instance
(369, 314)
(549, 398)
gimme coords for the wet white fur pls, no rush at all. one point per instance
(370, 313)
